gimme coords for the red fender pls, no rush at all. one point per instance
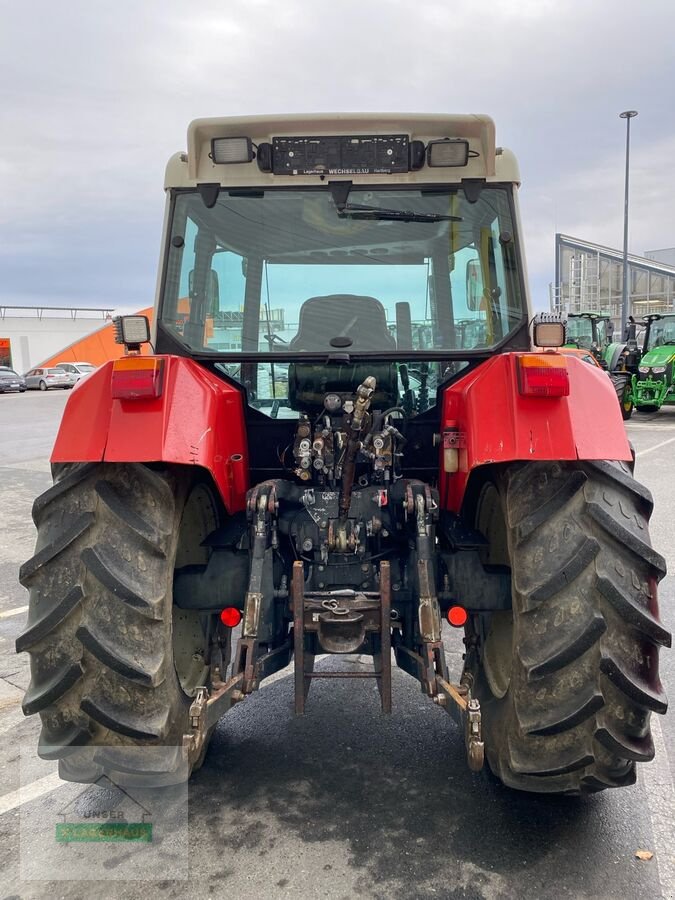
(496, 424)
(197, 420)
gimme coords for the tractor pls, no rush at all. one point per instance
(593, 331)
(653, 385)
(307, 458)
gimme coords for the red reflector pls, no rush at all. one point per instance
(457, 616)
(543, 376)
(230, 616)
(137, 378)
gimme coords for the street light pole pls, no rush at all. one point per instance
(627, 115)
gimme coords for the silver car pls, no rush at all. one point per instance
(77, 369)
(46, 379)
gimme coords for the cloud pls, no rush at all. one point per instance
(95, 97)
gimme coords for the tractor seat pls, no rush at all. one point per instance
(362, 319)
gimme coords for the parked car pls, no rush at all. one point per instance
(77, 369)
(46, 379)
(11, 380)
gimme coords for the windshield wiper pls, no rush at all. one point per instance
(340, 193)
(377, 213)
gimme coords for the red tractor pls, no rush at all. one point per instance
(342, 438)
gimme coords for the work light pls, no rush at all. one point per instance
(225, 151)
(448, 152)
(131, 330)
(548, 331)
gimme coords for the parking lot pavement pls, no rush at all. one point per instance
(342, 802)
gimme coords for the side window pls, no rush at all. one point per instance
(227, 294)
(211, 284)
(186, 275)
(468, 299)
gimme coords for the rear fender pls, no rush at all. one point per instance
(492, 423)
(198, 420)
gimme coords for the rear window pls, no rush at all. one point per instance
(55, 371)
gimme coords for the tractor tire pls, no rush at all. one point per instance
(114, 665)
(623, 388)
(568, 678)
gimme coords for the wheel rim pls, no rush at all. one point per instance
(200, 517)
(497, 651)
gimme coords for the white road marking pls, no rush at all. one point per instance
(655, 447)
(13, 612)
(29, 792)
(657, 426)
(277, 676)
(658, 784)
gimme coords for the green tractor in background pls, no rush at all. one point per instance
(652, 384)
(593, 332)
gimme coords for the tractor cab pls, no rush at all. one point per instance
(653, 384)
(588, 331)
(286, 267)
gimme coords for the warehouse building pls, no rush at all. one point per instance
(589, 278)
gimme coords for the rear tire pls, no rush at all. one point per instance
(113, 663)
(624, 390)
(568, 679)
(43, 386)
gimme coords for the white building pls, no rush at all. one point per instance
(31, 334)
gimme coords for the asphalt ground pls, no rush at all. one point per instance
(343, 802)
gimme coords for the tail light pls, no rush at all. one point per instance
(543, 375)
(137, 378)
(457, 616)
(230, 616)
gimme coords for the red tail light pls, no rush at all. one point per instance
(230, 616)
(457, 616)
(543, 375)
(137, 378)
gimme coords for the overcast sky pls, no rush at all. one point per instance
(96, 95)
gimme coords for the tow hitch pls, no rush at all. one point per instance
(465, 710)
(206, 709)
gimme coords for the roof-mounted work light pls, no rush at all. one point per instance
(548, 330)
(131, 330)
(228, 150)
(448, 152)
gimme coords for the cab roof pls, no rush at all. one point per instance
(486, 161)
